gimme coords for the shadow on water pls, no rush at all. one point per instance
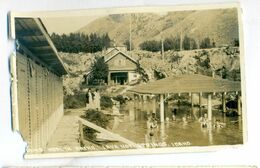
(133, 125)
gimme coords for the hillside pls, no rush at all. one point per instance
(193, 61)
(220, 25)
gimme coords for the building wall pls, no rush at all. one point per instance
(133, 76)
(120, 62)
(40, 102)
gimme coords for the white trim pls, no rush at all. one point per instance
(127, 56)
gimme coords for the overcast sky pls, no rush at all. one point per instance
(66, 24)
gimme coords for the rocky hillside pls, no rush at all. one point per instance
(222, 61)
(219, 25)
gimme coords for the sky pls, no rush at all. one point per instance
(66, 25)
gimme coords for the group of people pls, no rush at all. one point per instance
(203, 120)
(93, 99)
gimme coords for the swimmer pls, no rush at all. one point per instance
(184, 119)
(204, 121)
(219, 124)
(174, 113)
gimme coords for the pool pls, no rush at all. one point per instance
(133, 126)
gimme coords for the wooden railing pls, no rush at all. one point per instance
(115, 136)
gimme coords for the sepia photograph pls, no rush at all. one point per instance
(127, 81)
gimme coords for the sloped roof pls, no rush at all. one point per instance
(112, 49)
(190, 83)
(32, 34)
(124, 54)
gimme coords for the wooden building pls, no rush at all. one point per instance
(37, 87)
(189, 84)
(122, 67)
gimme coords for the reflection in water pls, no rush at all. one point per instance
(185, 127)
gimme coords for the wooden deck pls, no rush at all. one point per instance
(66, 135)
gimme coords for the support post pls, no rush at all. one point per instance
(200, 102)
(239, 109)
(154, 104)
(81, 135)
(161, 108)
(224, 102)
(209, 108)
(191, 101)
(109, 78)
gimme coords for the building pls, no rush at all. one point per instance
(37, 85)
(122, 67)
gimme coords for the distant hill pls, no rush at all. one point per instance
(219, 25)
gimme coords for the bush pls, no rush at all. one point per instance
(119, 98)
(174, 58)
(78, 100)
(158, 75)
(106, 102)
(97, 118)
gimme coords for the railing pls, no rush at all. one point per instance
(115, 136)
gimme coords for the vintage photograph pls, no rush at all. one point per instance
(128, 80)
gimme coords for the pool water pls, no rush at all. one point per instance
(133, 126)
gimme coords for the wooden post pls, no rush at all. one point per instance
(224, 102)
(109, 78)
(239, 111)
(191, 101)
(81, 135)
(161, 108)
(154, 104)
(200, 102)
(209, 108)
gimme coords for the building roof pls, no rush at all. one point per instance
(190, 83)
(32, 34)
(109, 50)
(124, 54)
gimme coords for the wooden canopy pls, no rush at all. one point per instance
(190, 83)
(32, 34)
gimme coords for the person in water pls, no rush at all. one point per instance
(152, 124)
(219, 124)
(174, 113)
(184, 120)
(204, 121)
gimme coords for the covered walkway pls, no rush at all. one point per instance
(191, 84)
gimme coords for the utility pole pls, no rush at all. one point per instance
(130, 34)
(162, 50)
(181, 41)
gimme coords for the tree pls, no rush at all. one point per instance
(186, 43)
(153, 46)
(99, 70)
(127, 44)
(168, 44)
(79, 42)
(205, 43)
